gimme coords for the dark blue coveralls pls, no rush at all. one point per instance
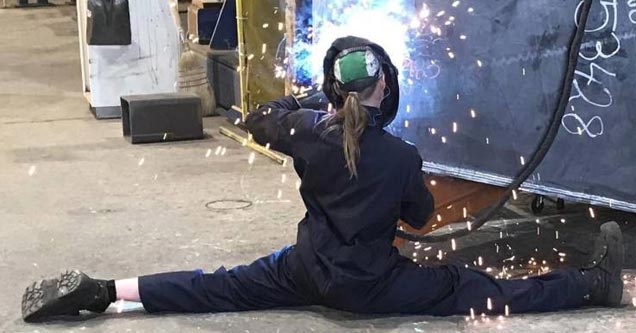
(344, 258)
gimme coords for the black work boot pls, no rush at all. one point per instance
(603, 272)
(64, 296)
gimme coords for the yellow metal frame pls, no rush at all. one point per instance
(243, 80)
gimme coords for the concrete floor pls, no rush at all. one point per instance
(74, 194)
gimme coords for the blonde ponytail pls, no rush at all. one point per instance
(355, 121)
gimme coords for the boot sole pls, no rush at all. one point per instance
(34, 305)
(616, 251)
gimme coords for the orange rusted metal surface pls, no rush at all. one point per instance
(456, 200)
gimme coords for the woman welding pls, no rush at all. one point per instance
(357, 182)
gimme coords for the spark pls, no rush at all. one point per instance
(523, 71)
(456, 3)
(480, 261)
(522, 160)
(443, 139)
(283, 178)
(292, 132)
(208, 153)
(433, 131)
(464, 212)
(141, 161)
(470, 9)
(408, 108)
(462, 37)
(473, 113)
(453, 244)
(507, 310)
(451, 55)
(406, 123)
(223, 151)
(439, 218)
(250, 160)
(279, 194)
(454, 127)
(265, 25)
(440, 255)
(298, 184)
(264, 48)
(218, 150)
(281, 26)
(487, 141)
(479, 63)
(433, 182)
(469, 225)
(32, 169)
(514, 195)
(472, 313)
(592, 212)
(165, 136)
(556, 234)
(489, 303)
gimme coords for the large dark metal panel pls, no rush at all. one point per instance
(478, 92)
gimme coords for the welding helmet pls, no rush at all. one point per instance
(334, 84)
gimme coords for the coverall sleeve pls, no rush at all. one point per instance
(418, 203)
(282, 124)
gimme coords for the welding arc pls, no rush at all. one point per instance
(542, 149)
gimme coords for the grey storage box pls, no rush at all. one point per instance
(161, 117)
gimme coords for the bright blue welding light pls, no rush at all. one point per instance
(410, 31)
